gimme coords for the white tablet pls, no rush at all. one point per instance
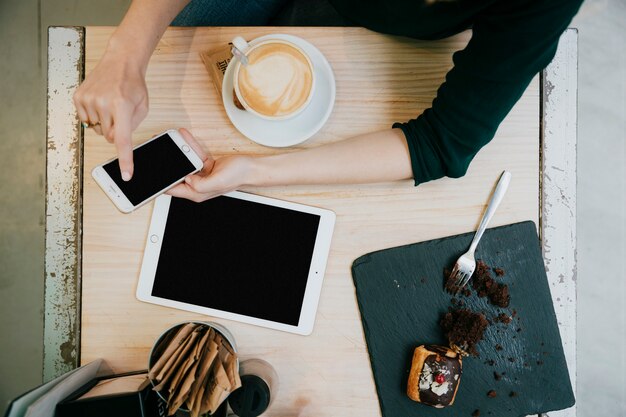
(240, 256)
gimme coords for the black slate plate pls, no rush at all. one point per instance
(401, 299)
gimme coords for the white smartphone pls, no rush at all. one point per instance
(159, 164)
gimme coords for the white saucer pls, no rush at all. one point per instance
(282, 133)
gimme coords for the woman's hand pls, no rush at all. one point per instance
(113, 100)
(217, 177)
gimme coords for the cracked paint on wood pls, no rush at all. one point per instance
(63, 203)
(558, 191)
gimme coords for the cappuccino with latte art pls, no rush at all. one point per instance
(277, 82)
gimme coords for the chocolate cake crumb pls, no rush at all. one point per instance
(423, 280)
(511, 359)
(490, 362)
(499, 347)
(497, 376)
(476, 413)
(466, 292)
(539, 363)
(464, 328)
(486, 286)
(499, 271)
(504, 318)
(513, 394)
(492, 394)
(519, 329)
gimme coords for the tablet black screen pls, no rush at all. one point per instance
(237, 256)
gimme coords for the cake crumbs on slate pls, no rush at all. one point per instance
(503, 318)
(485, 286)
(476, 413)
(499, 347)
(499, 272)
(492, 394)
(497, 376)
(464, 328)
(513, 394)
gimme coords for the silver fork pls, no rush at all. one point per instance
(466, 264)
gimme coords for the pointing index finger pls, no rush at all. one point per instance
(123, 142)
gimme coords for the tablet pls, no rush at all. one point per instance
(240, 257)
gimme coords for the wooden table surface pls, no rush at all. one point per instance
(380, 79)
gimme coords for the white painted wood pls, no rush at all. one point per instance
(558, 191)
(63, 202)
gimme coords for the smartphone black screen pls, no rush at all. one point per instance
(158, 164)
(237, 256)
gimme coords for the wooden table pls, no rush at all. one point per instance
(93, 252)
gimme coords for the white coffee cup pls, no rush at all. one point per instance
(273, 79)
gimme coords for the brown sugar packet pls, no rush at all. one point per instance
(180, 336)
(218, 386)
(166, 369)
(229, 362)
(187, 359)
(216, 61)
(167, 373)
(233, 374)
(184, 387)
(203, 371)
(195, 410)
(175, 389)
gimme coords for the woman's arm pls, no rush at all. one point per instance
(374, 157)
(114, 96)
(512, 40)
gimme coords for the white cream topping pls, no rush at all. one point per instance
(426, 378)
(440, 389)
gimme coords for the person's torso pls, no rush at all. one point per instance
(420, 19)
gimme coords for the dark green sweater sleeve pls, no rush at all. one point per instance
(511, 42)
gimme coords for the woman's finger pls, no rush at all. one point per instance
(204, 156)
(140, 113)
(106, 124)
(98, 129)
(80, 109)
(185, 191)
(123, 142)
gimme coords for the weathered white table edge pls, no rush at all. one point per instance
(66, 54)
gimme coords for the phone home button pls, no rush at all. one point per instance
(154, 238)
(185, 148)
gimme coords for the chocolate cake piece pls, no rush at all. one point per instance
(464, 328)
(435, 375)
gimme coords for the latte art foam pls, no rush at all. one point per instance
(277, 80)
